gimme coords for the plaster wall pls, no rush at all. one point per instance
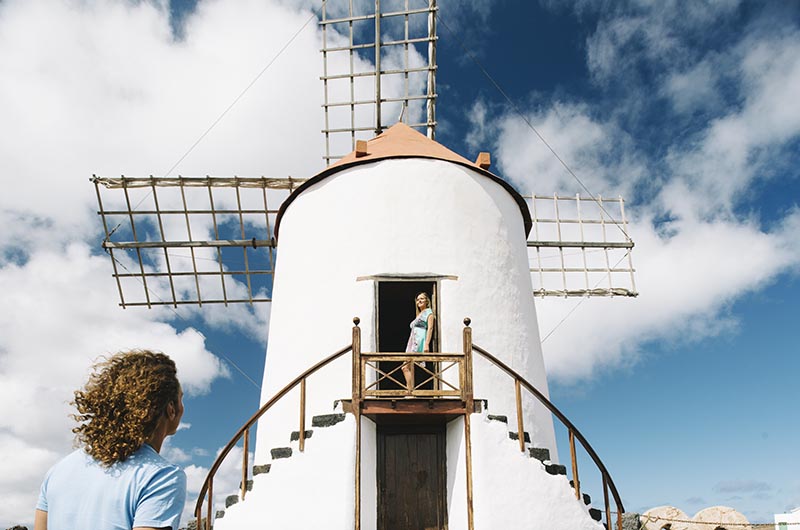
(510, 489)
(313, 489)
(792, 518)
(415, 217)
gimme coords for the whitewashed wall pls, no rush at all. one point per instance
(315, 489)
(509, 489)
(401, 216)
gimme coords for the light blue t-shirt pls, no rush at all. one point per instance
(144, 490)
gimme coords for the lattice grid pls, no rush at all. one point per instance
(191, 240)
(578, 247)
(379, 67)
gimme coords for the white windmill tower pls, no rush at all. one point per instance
(398, 215)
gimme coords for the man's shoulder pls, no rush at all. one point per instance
(147, 458)
(77, 459)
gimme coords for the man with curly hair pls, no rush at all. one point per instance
(130, 404)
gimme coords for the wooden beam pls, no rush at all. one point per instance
(484, 160)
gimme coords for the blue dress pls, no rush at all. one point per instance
(419, 332)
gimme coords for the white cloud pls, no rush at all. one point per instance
(695, 88)
(634, 33)
(687, 282)
(111, 91)
(744, 145)
(596, 151)
(695, 255)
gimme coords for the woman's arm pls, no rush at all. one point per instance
(429, 333)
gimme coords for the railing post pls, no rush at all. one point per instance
(605, 500)
(520, 424)
(575, 480)
(244, 461)
(302, 435)
(469, 405)
(468, 446)
(466, 390)
(357, 386)
(210, 503)
(357, 395)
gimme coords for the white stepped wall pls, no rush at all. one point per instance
(401, 216)
(510, 489)
(312, 489)
(315, 489)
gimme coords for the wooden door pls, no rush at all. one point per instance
(412, 478)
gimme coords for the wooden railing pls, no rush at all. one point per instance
(574, 433)
(434, 368)
(244, 432)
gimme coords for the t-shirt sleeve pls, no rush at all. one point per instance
(41, 503)
(162, 500)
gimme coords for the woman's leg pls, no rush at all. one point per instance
(407, 372)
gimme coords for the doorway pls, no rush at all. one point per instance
(412, 477)
(396, 310)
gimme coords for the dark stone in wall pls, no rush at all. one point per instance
(261, 468)
(327, 420)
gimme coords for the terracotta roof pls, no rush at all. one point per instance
(401, 141)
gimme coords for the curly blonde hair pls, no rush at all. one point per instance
(121, 404)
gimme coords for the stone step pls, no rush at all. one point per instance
(595, 514)
(295, 436)
(261, 468)
(555, 469)
(281, 452)
(327, 420)
(539, 453)
(514, 435)
(498, 417)
(248, 487)
(230, 500)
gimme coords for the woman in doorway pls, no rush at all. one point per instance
(419, 341)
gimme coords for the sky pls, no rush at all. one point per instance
(687, 109)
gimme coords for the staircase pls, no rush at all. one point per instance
(488, 484)
(320, 476)
(542, 455)
(273, 488)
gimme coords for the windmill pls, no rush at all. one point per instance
(432, 452)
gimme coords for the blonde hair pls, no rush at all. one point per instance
(121, 404)
(428, 298)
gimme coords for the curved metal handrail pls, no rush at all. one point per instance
(255, 417)
(560, 415)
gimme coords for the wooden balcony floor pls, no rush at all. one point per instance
(412, 410)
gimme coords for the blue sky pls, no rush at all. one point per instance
(688, 109)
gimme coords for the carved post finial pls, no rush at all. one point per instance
(356, 321)
(467, 321)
